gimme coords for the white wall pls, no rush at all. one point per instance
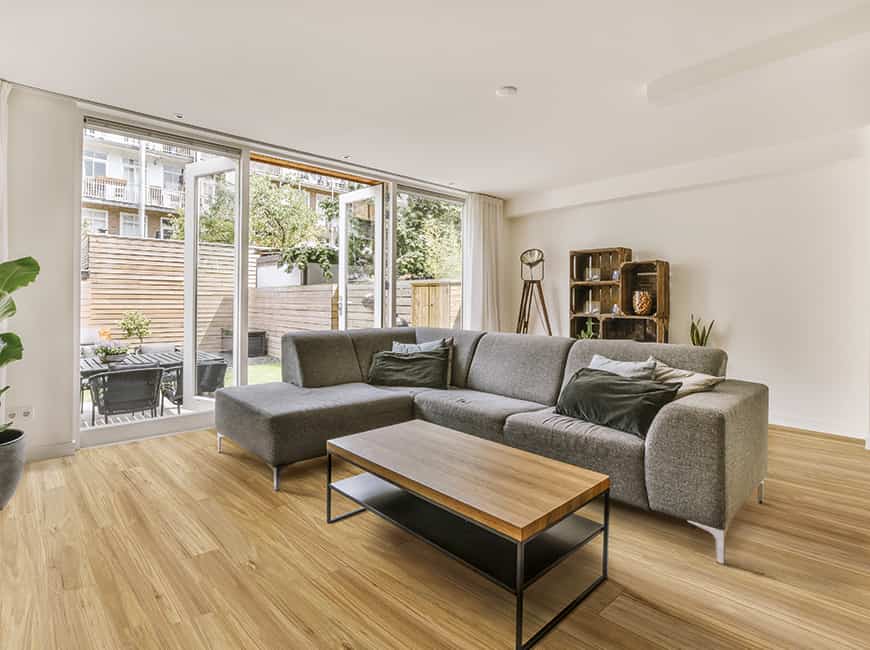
(780, 262)
(44, 173)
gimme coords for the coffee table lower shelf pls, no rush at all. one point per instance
(489, 553)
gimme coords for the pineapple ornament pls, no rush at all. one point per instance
(642, 302)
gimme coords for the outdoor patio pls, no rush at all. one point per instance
(144, 277)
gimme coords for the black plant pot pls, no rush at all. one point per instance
(11, 463)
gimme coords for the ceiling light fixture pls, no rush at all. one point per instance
(346, 156)
(178, 116)
(506, 91)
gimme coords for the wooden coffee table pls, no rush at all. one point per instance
(507, 514)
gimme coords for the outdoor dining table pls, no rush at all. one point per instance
(89, 366)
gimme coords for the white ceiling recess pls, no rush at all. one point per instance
(604, 89)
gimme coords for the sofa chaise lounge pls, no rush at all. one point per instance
(701, 459)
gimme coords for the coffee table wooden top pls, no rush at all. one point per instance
(514, 492)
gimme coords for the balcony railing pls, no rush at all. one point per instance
(116, 190)
(132, 142)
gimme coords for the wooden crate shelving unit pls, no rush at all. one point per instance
(593, 299)
(587, 295)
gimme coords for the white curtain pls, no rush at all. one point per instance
(482, 231)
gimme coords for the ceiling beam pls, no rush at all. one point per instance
(675, 85)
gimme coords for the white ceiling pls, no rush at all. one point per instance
(409, 86)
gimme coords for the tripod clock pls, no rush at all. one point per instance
(532, 273)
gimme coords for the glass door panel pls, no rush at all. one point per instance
(360, 259)
(210, 262)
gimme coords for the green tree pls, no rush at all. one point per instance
(428, 239)
(280, 215)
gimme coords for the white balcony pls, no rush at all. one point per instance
(116, 190)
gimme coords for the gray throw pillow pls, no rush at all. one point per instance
(428, 346)
(417, 369)
(631, 369)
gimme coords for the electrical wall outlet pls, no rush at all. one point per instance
(27, 412)
(12, 413)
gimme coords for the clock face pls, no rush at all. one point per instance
(532, 257)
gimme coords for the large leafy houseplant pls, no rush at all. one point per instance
(14, 275)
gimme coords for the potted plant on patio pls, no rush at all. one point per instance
(135, 325)
(13, 275)
(111, 352)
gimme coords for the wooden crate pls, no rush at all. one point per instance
(646, 275)
(647, 329)
(591, 299)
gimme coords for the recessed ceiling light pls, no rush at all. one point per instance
(346, 156)
(178, 116)
(506, 91)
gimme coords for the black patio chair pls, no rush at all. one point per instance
(209, 377)
(117, 392)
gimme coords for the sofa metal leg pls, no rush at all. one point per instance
(761, 492)
(718, 536)
(275, 480)
(220, 439)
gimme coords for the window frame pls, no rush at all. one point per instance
(138, 219)
(105, 217)
(90, 156)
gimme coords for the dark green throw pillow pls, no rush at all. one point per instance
(417, 369)
(614, 401)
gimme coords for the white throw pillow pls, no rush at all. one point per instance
(630, 369)
(692, 382)
(428, 346)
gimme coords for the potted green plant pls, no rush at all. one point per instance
(700, 333)
(302, 254)
(135, 325)
(14, 275)
(111, 352)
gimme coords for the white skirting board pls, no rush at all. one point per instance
(44, 452)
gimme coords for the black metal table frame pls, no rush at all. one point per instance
(520, 586)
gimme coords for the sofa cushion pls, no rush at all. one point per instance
(631, 369)
(313, 359)
(614, 401)
(615, 453)
(428, 369)
(470, 411)
(464, 345)
(368, 341)
(283, 423)
(710, 361)
(520, 366)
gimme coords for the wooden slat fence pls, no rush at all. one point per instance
(147, 275)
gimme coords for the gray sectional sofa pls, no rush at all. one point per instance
(701, 459)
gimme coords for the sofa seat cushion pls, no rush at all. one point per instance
(470, 411)
(283, 423)
(618, 454)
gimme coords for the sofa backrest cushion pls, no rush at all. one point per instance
(314, 359)
(368, 341)
(464, 344)
(520, 366)
(710, 361)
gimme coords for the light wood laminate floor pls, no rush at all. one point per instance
(166, 544)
